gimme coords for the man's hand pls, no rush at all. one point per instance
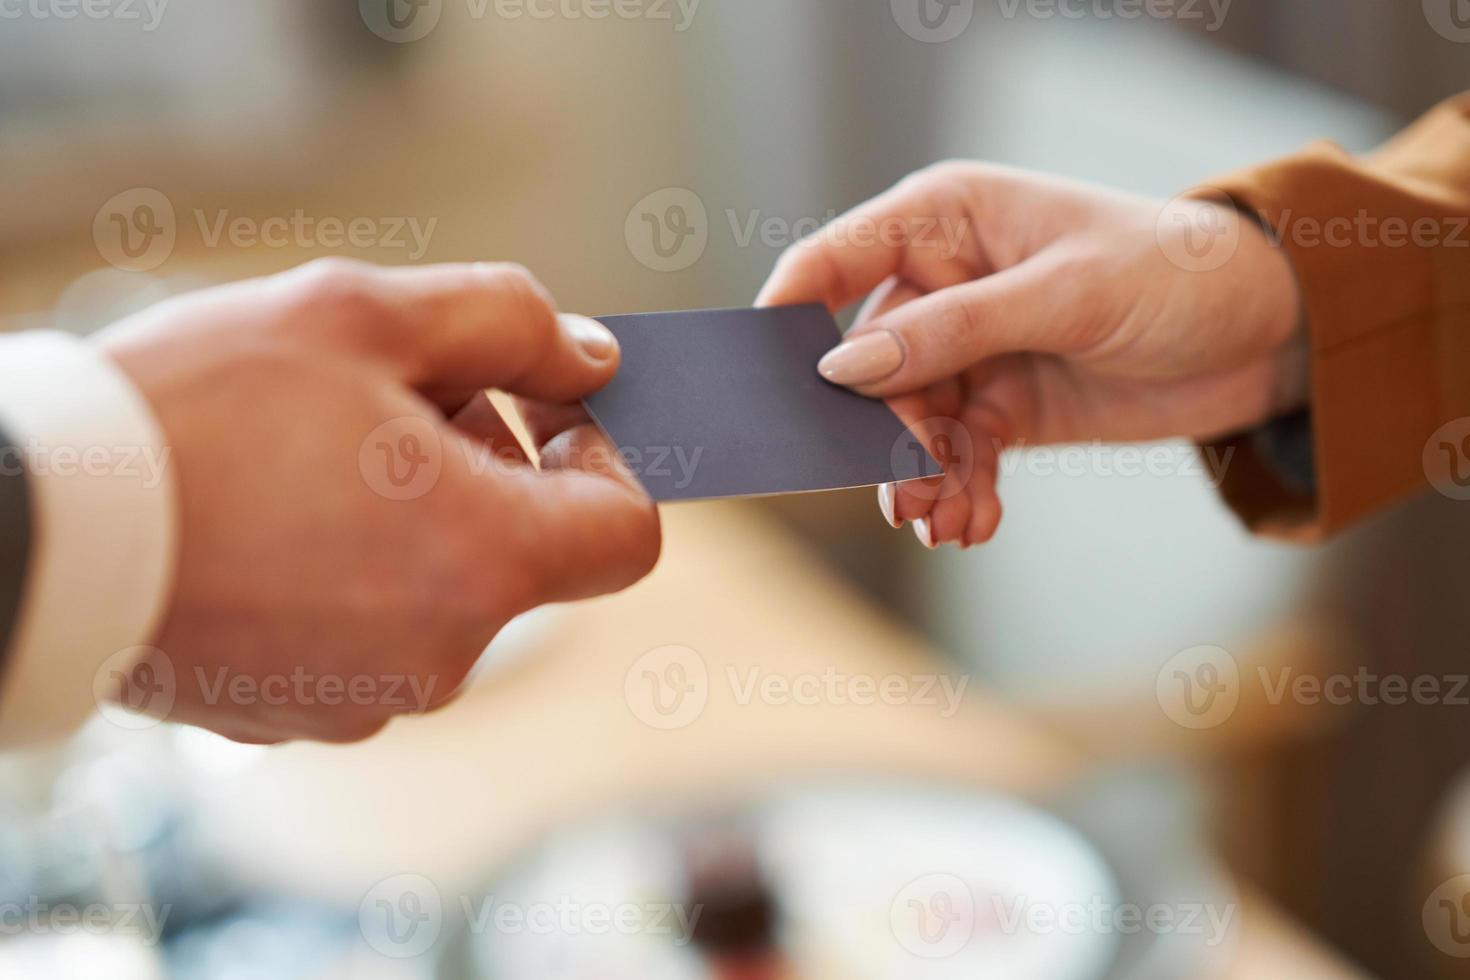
(357, 520)
(1029, 310)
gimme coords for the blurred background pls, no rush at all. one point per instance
(629, 754)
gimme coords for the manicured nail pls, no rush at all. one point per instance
(888, 503)
(591, 336)
(864, 360)
(924, 531)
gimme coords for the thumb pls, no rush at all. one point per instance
(911, 346)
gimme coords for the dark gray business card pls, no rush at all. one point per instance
(728, 403)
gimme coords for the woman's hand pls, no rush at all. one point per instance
(357, 519)
(1009, 308)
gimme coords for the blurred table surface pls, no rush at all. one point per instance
(551, 734)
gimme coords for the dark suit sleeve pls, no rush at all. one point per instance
(15, 539)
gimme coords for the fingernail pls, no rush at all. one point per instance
(591, 336)
(888, 503)
(924, 531)
(864, 360)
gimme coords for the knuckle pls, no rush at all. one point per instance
(529, 306)
(521, 285)
(339, 292)
(332, 276)
(948, 171)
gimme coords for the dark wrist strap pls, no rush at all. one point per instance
(15, 540)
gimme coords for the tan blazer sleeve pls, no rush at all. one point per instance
(1381, 247)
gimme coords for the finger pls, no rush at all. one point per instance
(597, 531)
(1026, 308)
(583, 448)
(913, 499)
(448, 327)
(889, 296)
(947, 522)
(545, 422)
(921, 230)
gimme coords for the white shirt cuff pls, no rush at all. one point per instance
(103, 528)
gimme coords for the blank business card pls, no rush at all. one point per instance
(728, 403)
